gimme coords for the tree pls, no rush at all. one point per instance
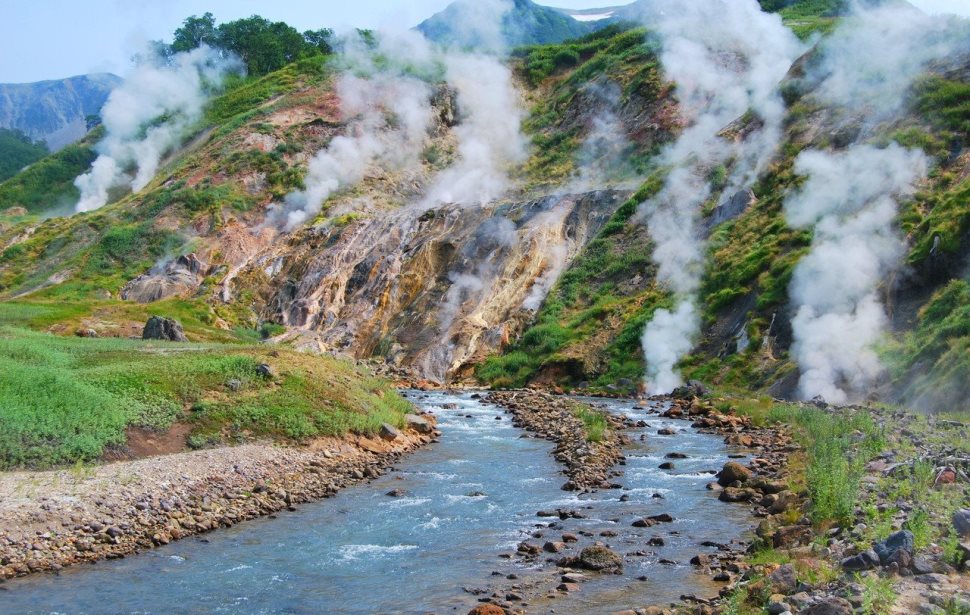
(195, 32)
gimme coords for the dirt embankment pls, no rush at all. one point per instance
(53, 519)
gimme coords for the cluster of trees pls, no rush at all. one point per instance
(264, 46)
(17, 150)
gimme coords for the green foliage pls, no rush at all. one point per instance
(17, 150)
(246, 95)
(939, 343)
(836, 457)
(64, 400)
(593, 421)
(48, 183)
(263, 45)
(946, 103)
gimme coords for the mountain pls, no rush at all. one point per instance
(54, 111)
(523, 23)
(554, 282)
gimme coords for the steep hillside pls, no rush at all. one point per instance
(54, 111)
(17, 151)
(588, 332)
(430, 290)
(444, 290)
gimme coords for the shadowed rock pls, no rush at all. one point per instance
(161, 328)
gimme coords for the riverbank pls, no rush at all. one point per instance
(53, 519)
(853, 510)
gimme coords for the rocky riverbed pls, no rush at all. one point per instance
(49, 520)
(588, 464)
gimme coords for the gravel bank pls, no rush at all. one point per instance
(53, 519)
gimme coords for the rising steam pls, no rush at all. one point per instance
(850, 197)
(727, 59)
(489, 136)
(148, 116)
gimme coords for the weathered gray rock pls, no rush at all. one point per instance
(161, 328)
(783, 580)
(887, 549)
(867, 560)
(389, 432)
(418, 424)
(831, 605)
(961, 522)
(264, 370)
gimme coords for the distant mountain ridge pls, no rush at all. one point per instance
(527, 23)
(54, 111)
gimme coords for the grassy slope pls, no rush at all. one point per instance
(588, 330)
(65, 399)
(68, 399)
(16, 152)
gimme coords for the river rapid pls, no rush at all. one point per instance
(468, 501)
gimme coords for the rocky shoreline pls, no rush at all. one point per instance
(588, 464)
(812, 570)
(49, 520)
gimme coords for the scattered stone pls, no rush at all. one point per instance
(418, 424)
(161, 328)
(867, 560)
(264, 370)
(783, 580)
(961, 522)
(900, 542)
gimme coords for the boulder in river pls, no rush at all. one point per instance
(732, 472)
(600, 559)
(487, 609)
(161, 328)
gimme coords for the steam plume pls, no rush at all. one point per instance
(147, 116)
(489, 136)
(726, 58)
(850, 197)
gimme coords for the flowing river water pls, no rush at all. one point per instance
(469, 498)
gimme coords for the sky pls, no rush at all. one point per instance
(53, 39)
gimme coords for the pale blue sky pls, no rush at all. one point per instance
(52, 39)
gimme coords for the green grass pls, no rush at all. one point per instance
(837, 445)
(17, 151)
(593, 421)
(64, 400)
(48, 184)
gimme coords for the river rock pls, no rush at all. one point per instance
(418, 424)
(554, 547)
(161, 328)
(389, 432)
(732, 472)
(783, 580)
(600, 559)
(487, 609)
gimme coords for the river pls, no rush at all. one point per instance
(469, 498)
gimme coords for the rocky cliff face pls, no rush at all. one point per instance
(54, 111)
(434, 291)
